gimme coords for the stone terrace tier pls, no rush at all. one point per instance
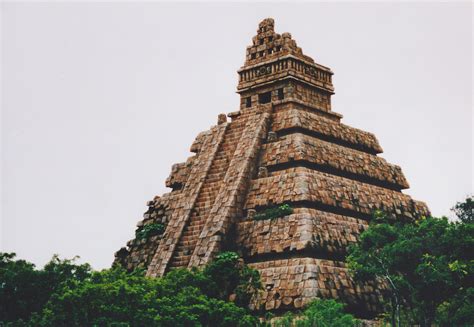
(322, 233)
(333, 193)
(290, 118)
(293, 283)
(301, 149)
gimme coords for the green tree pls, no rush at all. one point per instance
(424, 263)
(114, 297)
(227, 276)
(25, 290)
(320, 313)
(457, 311)
(465, 210)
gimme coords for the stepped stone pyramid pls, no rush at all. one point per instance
(284, 145)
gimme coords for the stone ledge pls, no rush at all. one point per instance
(291, 117)
(305, 229)
(293, 283)
(300, 147)
(303, 184)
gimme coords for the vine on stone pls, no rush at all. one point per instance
(149, 230)
(275, 212)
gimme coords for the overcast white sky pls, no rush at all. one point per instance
(100, 99)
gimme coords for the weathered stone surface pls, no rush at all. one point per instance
(297, 281)
(179, 174)
(305, 229)
(291, 116)
(185, 204)
(335, 158)
(221, 119)
(284, 145)
(139, 253)
(304, 184)
(230, 199)
(269, 45)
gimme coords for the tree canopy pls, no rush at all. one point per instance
(319, 313)
(25, 289)
(465, 210)
(427, 265)
(65, 294)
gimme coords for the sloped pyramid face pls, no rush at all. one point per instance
(284, 146)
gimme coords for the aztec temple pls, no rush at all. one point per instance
(284, 146)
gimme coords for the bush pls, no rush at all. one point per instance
(149, 230)
(25, 290)
(428, 266)
(321, 313)
(458, 310)
(113, 297)
(275, 212)
(227, 276)
(465, 210)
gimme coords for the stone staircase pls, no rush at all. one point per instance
(206, 197)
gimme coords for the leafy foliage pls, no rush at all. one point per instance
(113, 297)
(275, 212)
(465, 210)
(321, 313)
(25, 290)
(117, 297)
(427, 264)
(458, 310)
(149, 230)
(227, 275)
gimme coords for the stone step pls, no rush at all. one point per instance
(199, 222)
(182, 250)
(211, 184)
(208, 195)
(193, 229)
(190, 236)
(194, 226)
(188, 243)
(181, 263)
(198, 216)
(215, 176)
(199, 208)
(209, 191)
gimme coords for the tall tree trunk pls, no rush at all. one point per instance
(394, 312)
(398, 313)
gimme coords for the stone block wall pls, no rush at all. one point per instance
(290, 117)
(342, 194)
(292, 283)
(139, 252)
(304, 230)
(312, 96)
(298, 148)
